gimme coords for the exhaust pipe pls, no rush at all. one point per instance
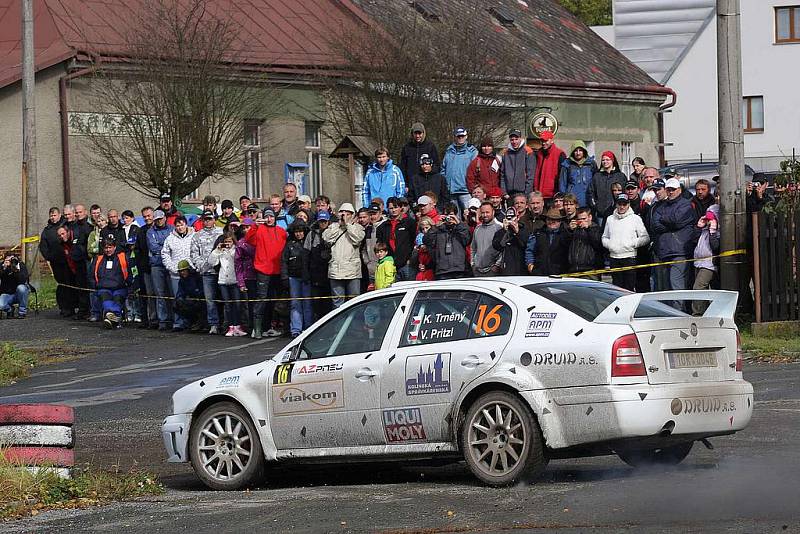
(667, 429)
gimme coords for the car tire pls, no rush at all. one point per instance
(672, 455)
(225, 448)
(501, 440)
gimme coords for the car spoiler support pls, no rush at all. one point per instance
(623, 310)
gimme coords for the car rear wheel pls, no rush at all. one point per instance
(225, 449)
(672, 455)
(501, 440)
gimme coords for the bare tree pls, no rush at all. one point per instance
(176, 102)
(443, 77)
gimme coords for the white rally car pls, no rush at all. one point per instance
(504, 372)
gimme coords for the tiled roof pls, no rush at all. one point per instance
(291, 34)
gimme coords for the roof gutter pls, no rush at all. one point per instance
(62, 107)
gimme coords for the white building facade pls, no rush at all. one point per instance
(675, 42)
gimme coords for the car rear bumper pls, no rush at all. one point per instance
(175, 432)
(576, 416)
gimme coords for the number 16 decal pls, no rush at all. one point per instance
(488, 323)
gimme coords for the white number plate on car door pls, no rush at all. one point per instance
(690, 359)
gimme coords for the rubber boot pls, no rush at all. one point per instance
(256, 331)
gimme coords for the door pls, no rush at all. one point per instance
(449, 339)
(330, 396)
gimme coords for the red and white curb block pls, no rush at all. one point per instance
(38, 435)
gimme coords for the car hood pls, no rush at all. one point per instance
(186, 399)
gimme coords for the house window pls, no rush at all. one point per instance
(314, 158)
(787, 24)
(626, 155)
(753, 114)
(252, 148)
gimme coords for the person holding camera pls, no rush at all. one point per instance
(14, 287)
(344, 268)
(448, 242)
(586, 251)
(486, 260)
(319, 255)
(268, 240)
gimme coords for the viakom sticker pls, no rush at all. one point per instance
(307, 397)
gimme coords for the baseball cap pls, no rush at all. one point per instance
(459, 130)
(158, 214)
(669, 173)
(183, 265)
(268, 213)
(547, 135)
(252, 208)
(208, 214)
(165, 196)
(622, 197)
(673, 183)
(424, 200)
(109, 239)
(474, 203)
(425, 158)
(323, 216)
(515, 132)
(631, 184)
(227, 204)
(374, 207)
(658, 183)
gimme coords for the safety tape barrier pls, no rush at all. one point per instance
(727, 253)
(31, 239)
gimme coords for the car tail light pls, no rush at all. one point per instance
(738, 352)
(626, 357)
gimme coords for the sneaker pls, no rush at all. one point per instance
(231, 331)
(94, 319)
(240, 332)
(256, 332)
(214, 330)
(273, 333)
(137, 319)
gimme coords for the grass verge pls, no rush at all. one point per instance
(23, 493)
(17, 360)
(773, 350)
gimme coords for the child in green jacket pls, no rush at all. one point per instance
(385, 272)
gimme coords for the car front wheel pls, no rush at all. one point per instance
(225, 449)
(672, 455)
(501, 440)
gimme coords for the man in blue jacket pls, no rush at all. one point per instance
(457, 158)
(383, 179)
(159, 274)
(112, 275)
(675, 233)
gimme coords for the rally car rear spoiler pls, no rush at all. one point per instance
(623, 310)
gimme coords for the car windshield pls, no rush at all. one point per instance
(589, 299)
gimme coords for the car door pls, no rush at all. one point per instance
(450, 337)
(330, 395)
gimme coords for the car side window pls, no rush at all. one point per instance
(440, 317)
(492, 318)
(357, 329)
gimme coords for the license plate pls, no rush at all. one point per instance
(690, 359)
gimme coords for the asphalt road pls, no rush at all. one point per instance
(747, 484)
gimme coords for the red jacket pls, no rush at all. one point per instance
(548, 167)
(269, 242)
(484, 171)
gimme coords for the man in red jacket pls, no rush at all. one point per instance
(548, 165)
(268, 241)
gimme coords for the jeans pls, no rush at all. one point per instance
(147, 303)
(94, 300)
(342, 288)
(624, 279)
(111, 300)
(406, 273)
(180, 320)
(210, 292)
(678, 274)
(462, 201)
(251, 295)
(20, 297)
(230, 294)
(301, 315)
(267, 286)
(161, 286)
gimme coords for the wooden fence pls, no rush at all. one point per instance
(776, 251)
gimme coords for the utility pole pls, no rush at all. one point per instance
(30, 193)
(731, 141)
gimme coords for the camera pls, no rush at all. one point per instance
(511, 214)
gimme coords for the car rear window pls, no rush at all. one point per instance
(589, 299)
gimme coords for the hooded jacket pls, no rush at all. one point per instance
(268, 242)
(454, 167)
(518, 169)
(243, 262)
(484, 171)
(548, 168)
(155, 242)
(345, 263)
(203, 243)
(600, 198)
(385, 273)
(49, 245)
(673, 225)
(707, 244)
(432, 181)
(624, 233)
(383, 183)
(576, 177)
(411, 154)
(176, 248)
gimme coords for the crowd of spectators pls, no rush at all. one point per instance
(243, 270)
